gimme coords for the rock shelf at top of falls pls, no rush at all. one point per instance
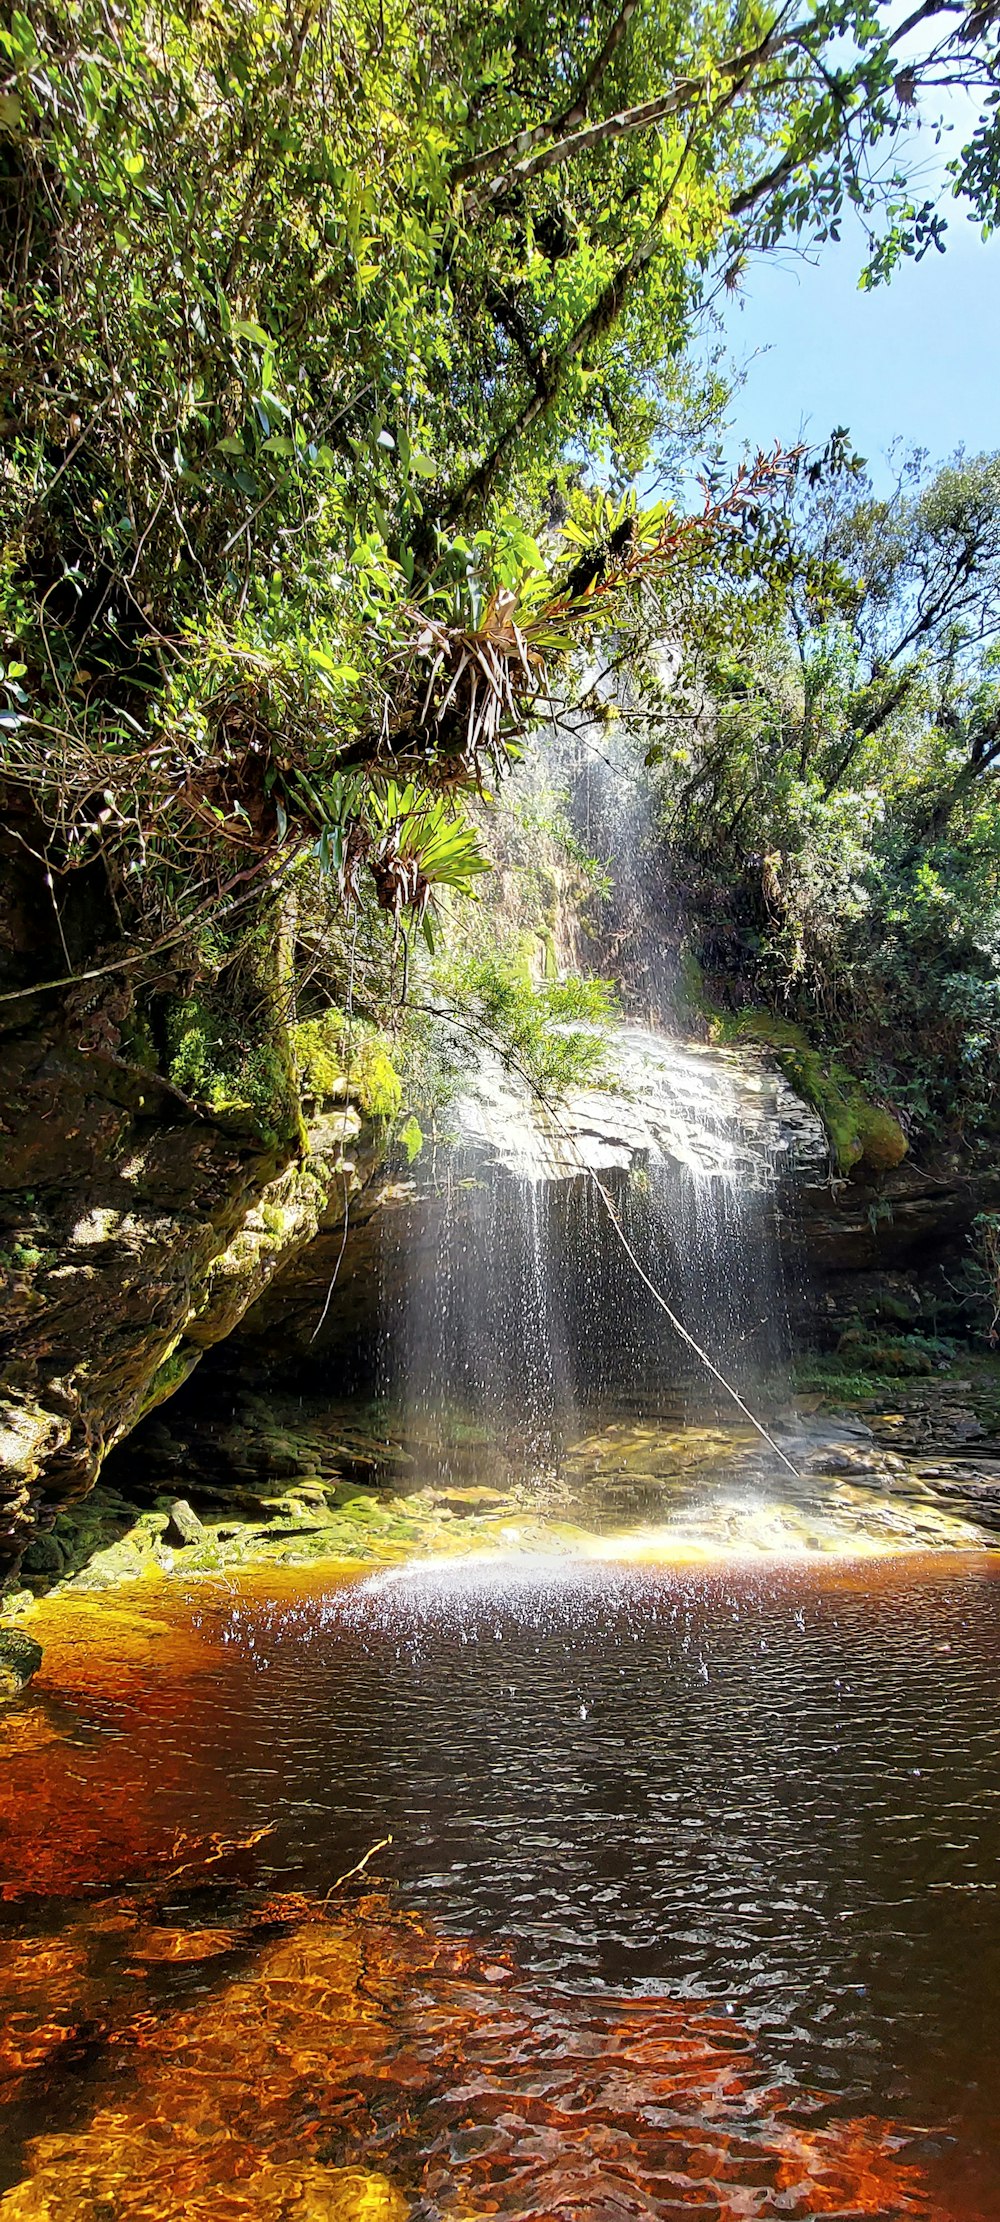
(703, 1110)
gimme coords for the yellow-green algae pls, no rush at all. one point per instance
(862, 1134)
(625, 1491)
(335, 1058)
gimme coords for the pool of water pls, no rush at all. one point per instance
(747, 1814)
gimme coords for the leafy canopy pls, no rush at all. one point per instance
(311, 318)
(834, 787)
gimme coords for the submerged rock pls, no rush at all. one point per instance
(20, 1658)
(242, 2097)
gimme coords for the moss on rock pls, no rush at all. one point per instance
(170, 1375)
(863, 1135)
(316, 1050)
(334, 1058)
(212, 1059)
(20, 1658)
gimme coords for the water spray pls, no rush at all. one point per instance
(491, 1041)
(677, 1324)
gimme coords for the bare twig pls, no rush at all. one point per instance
(359, 1866)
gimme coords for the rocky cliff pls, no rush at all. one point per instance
(142, 1225)
(137, 1224)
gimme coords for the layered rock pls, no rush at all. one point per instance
(883, 1247)
(136, 1225)
(152, 1252)
(699, 1109)
(718, 1119)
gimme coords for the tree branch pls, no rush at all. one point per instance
(549, 377)
(737, 68)
(478, 165)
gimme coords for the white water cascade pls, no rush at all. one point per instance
(511, 1304)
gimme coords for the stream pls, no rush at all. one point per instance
(629, 1850)
(747, 1814)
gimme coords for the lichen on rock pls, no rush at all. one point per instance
(20, 1659)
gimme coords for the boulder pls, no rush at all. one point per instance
(20, 1658)
(184, 1525)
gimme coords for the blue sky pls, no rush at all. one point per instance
(917, 360)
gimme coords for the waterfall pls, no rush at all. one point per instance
(511, 1306)
(475, 1332)
(512, 1312)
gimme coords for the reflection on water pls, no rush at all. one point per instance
(363, 2048)
(736, 1830)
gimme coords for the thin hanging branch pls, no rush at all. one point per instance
(680, 1329)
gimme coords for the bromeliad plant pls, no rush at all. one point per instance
(458, 695)
(250, 769)
(283, 303)
(424, 846)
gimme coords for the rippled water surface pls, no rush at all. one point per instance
(771, 1793)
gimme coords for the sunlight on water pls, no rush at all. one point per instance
(688, 1906)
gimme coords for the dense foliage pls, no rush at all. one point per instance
(313, 322)
(835, 802)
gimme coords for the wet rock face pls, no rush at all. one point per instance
(135, 1226)
(697, 1109)
(699, 1115)
(679, 1110)
(908, 1220)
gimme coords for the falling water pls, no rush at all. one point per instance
(474, 1330)
(511, 1304)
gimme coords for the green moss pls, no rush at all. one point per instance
(549, 959)
(138, 1045)
(411, 1137)
(315, 1046)
(335, 1058)
(839, 1383)
(692, 981)
(193, 1045)
(374, 1080)
(861, 1133)
(245, 1074)
(170, 1374)
(23, 1257)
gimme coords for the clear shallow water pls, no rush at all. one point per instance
(748, 1786)
(769, 1788)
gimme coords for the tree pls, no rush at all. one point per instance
(841, 779)
(308, 317)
